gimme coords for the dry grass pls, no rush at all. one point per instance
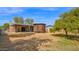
(20, 34)
(41, 42)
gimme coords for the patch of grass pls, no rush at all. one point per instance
(66, 42)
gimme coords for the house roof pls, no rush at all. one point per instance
(27, 24)
(39, 24)
(21, 25)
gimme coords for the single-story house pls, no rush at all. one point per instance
(37, 27)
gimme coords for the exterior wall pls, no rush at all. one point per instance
(11, 29)
(35, 28)
(39, 28)
(17, 28)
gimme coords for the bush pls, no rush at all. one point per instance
(52, 30)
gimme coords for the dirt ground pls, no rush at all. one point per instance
(38, 42)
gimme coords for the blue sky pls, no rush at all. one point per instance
(46, 15)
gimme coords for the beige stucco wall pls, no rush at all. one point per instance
(11, 29)
(39, 28)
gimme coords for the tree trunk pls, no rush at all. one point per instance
(66, 31)
(78, 30)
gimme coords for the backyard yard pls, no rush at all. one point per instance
(38, 42)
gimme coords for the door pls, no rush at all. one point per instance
(23, 29)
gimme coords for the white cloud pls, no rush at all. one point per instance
(4, 21)
(48, 8)
(15, 10)
(6, 11)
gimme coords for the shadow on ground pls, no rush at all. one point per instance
(20, 45)
(72, 37)
(30, 44)
(5, 43)
(20, 34)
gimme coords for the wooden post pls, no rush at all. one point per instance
(29, 28)
(20, 29)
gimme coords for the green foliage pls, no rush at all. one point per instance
(68, 21)
(1, 27)
(52, 30)
(6, 26)
(29, 21)
(58, 24)
(18, 20)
